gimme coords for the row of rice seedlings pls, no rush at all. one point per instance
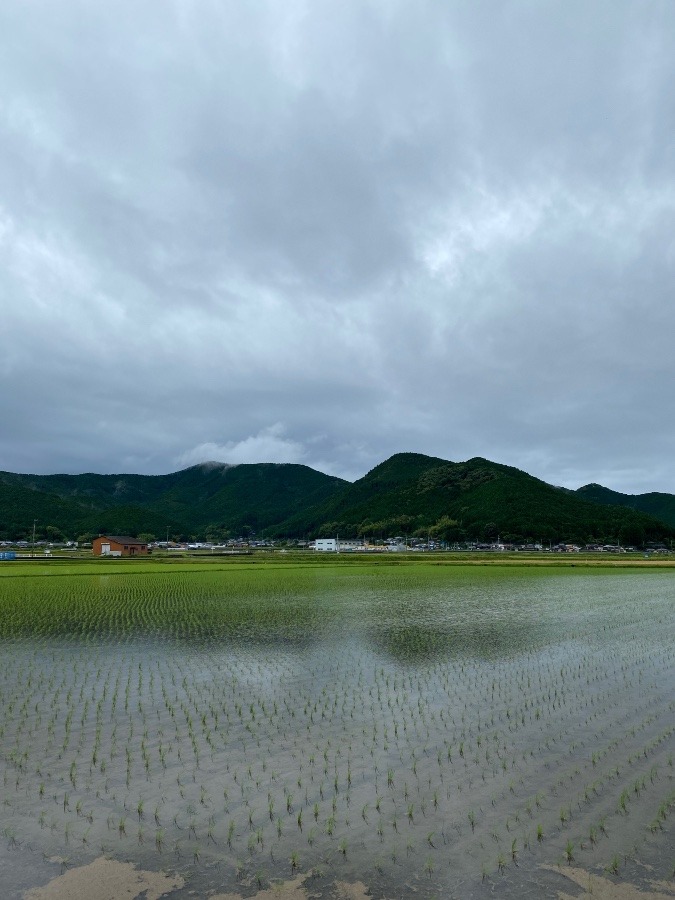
(240, 755)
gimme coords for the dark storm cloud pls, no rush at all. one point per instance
(323, 233)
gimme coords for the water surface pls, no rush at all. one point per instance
(425, 730)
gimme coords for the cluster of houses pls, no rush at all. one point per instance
(124, 545)
(399, 544)
(121, 545)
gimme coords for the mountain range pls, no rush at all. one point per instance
(407, 494)
(661, 506)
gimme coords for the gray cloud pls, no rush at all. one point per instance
(328, 232)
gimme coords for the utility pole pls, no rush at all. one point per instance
(32, 548)
(167, 538)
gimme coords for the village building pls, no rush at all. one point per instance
(118, 545)
(334, 545)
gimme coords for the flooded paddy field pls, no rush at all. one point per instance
(384, 731)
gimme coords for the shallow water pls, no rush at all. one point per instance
(430, 731)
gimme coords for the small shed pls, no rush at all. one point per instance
(118, 545)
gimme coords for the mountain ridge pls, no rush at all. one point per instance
(475, 499)
(655, 503)
(219, 498)
(405, 494)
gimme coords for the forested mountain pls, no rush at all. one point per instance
(211, 498)
(661, 506)
(477, 499)
(407, 494)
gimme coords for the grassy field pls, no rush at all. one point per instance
(86, 564)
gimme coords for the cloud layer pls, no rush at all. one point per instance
(326, 232)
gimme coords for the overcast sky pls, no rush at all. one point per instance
(324, 232)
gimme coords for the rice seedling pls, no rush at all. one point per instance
(569, 851)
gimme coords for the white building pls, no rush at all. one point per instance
(334, 545)
(326, 545)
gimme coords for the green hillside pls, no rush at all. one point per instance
(660, 506)
(405, 495)
(477, 499)
(211, 498)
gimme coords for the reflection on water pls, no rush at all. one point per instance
(420, 730)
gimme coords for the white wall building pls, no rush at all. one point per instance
(326, 545)
(334, 545)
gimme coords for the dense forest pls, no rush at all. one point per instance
(661, 506)
(408, 494)
(474, 500)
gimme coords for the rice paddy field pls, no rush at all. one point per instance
(391, 730)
